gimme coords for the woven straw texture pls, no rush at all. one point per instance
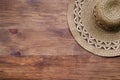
(82, 23)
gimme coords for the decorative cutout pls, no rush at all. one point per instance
(110, 45)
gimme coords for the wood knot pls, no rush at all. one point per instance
(17, 54)
(13, 31)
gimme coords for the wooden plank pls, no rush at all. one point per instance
(59, 68)
(35, 27)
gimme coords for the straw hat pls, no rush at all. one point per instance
(95, 24)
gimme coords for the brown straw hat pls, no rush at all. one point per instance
(95, 24)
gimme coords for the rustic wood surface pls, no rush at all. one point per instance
(39, 28)
(35, 27)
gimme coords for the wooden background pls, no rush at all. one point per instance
(37, 45)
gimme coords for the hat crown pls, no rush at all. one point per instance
(107, 14)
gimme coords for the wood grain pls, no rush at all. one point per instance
(41, 26)
(59, 68)
(37, 45)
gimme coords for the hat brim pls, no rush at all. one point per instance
(89, 36)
